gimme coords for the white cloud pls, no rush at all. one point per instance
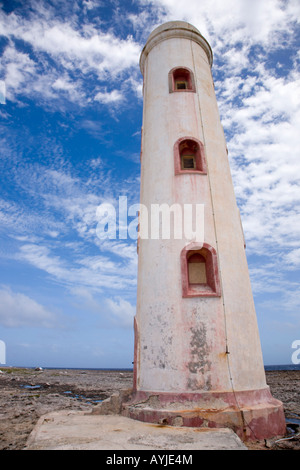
(122, 311)
(109, 97)
(92, 48)
(96, 273)
(72, 89)
(19, 71)
(19, 220)
(73, 49)
(224, 23)
(264, 159)
(19, 310)
(90, 4)
(64, 216)
(293, 258)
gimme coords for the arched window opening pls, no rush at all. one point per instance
(199, 270)
(189, 156)
(181, 79)
(196, 268)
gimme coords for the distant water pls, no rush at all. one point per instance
(269, 367)
(122, 369)
(283, 367)
(114, 369)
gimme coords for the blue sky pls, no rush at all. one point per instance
(70, 140)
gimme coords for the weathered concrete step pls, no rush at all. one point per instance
(73, 430)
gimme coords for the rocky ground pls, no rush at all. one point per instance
(285, 386)
(27, 394)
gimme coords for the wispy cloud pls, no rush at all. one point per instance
(95, 272)
(57, 234)
(109, 97)
(122, 311)
(58, 56)
(19, 310)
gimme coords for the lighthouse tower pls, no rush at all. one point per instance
(198, 359)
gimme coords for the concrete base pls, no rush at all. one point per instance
(252, 415)
(73, 430)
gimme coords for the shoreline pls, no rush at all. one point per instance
(27, 394)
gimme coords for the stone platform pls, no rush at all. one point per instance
(76, 430)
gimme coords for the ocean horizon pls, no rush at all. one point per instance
(270, 367)
(283, 367)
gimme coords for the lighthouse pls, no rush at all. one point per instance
(197, 352)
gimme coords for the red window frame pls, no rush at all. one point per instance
(183, 74)
(192, 146)
(212, 287)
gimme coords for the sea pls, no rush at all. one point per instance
(122, 369)
(267, 368)
(283, 367)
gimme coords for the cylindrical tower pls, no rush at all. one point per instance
(198, 359)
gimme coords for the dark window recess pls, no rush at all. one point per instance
(181, 79)
(181, 85)
(188, 162)
(189, 156)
